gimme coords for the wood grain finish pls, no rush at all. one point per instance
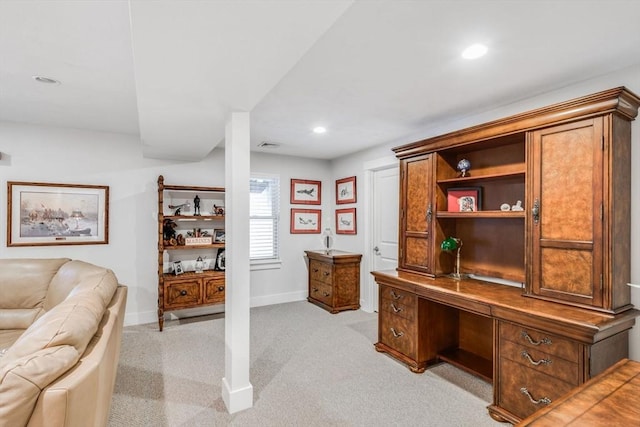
(189, 289)
(569, 165)
(334, 280)
(608, 399)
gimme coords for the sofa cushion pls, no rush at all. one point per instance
(76, 276)
(72, 322)
(22, 380)
(9, 336)
(24, 282)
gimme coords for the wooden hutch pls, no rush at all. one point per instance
(548, 305)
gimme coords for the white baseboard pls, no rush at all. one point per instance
(237, 400)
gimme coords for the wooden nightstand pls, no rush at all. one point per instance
(334, 280)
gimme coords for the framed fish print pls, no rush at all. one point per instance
(44, 214)
(305, 221)
(305, 192)
(346, 190)
(346, 221)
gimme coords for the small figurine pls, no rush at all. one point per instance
(218, 210)
(168, 229)
(517, 206)
(463, 166)
(505, 207)
(178, 208)
(196, 206)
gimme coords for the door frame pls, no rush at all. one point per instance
(370, 167)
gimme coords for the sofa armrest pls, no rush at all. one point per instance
(82, 397)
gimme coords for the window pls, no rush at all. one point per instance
(264, 217)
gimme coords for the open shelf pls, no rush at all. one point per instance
(468, 179)
(182, 247)
(481, 214)
(194, 217)
(469, 362)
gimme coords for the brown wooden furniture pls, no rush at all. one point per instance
(566, 249)
(532, 351)
(334, 280)
(610, 399)
(189, 289)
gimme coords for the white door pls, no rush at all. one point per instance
(385, 222)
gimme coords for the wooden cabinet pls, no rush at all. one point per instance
(334, 280)
(579, 181)
(190, 234)
(417, 212)
(550, 224)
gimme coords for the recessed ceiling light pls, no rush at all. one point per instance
(474, 51)
(46, 80)
(319, 129)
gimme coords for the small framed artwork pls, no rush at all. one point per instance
(220, 264)
(305, 221)
(178, 269)
(218, 236)
(464, 199)
(42, 214)
(305, 192)
(346, 190)
(346, 221)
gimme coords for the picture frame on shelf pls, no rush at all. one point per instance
(220, 264)
(305, 221)
(47, 214)
(464, 199)
(219, 236)
(346, 221)
(178, 268)
(305, 192)
(346, 191)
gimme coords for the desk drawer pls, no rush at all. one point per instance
(320, 271)
(214, 290)
(398, 296)
(540, 361)
(541, 341)
(395, 308)
(398, 333)
(182, 293)
(523, 390)
(321, 292)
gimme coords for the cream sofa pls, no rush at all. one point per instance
(60, 333)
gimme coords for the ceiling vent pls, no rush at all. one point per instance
(265, 144)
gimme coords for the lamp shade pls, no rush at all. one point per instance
(449, 244)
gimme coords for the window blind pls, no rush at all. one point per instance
(264, 217)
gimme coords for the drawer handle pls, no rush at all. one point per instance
(315, 270)
(544, 400)
(315, 289)
(326, 294)
(183, 292)
(396, 334)
(220, 288)
(395, 309)
(394, 295)
(544, 340)
(533, 362)
(326, 273)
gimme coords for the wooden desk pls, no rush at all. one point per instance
(532, 351)
(609, 399)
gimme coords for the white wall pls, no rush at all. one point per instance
(44, 154)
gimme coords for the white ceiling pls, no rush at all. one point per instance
(370, 71)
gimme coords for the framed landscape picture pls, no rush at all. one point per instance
(346, 190)
(305, 221)
(346, 221)
(305, 192)
(41, 214)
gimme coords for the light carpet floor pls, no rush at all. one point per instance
(308, 368)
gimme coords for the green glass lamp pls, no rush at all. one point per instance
(451, 244)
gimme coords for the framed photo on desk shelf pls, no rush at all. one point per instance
(464, 199)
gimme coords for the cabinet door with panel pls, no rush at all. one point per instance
(578, 240)
(416, 214)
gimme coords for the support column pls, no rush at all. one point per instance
(237, 391)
